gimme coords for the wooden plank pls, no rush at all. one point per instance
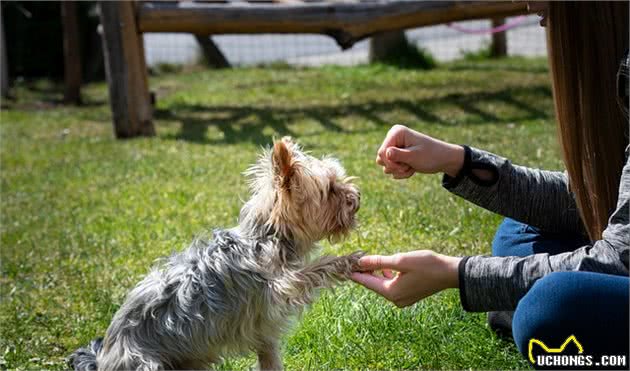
(346, 23)
(287, 1)
(498, 48)
(71, 53)
(126, 72)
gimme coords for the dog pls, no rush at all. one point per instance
(238, 291)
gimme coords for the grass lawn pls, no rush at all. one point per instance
(84, 216)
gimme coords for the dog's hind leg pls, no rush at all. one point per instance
(269, 356)
(298, 287)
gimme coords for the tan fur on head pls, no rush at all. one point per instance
(282, 161)
(301, 197)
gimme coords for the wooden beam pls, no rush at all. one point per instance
(346, 23)
(125, 66)
(71, 53)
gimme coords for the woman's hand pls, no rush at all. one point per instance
(405, 151)
(419, 274)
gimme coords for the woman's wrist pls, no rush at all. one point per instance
(451, 270)
(454, 160)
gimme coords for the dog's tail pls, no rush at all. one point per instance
(84, 359)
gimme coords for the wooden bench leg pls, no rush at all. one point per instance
(71, 53)
(498, 47)
(126, 70)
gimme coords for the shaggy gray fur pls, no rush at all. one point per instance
(236, 292)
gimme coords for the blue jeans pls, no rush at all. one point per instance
(591, 306)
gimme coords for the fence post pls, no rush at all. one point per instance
(71, 53)
(385, 44)
(126, 70)
(499, 39)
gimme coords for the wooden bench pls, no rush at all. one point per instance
(124, 23)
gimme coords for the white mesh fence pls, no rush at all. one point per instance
(526, 38)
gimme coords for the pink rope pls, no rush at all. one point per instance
(506, 26)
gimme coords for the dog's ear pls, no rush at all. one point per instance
(283, 164)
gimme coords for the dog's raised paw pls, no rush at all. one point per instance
(354, 261)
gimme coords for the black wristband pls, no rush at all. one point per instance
(450, 182)
(461, 272)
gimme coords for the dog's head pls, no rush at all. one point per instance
(301, 197)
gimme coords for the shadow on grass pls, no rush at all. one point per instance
(249, 123)
(479, 66)
(44, 94)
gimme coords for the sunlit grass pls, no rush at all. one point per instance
(84, 216)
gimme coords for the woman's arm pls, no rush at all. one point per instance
(497, 283)
(535, 197)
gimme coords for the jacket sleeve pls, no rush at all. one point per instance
(498, 283)
(535, 197)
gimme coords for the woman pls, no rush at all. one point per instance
(561, 255)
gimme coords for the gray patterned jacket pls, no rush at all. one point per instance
(497, 283)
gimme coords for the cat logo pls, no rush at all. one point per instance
(553, 350)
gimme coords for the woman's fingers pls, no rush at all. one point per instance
(387, 273)
(396, 168)
(372, 282)
(378, 262)
(402, 168)
(404, 175)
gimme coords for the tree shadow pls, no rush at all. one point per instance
(43, 94)
(258, 124)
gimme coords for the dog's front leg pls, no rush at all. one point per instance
(269, 356)
(297, 287)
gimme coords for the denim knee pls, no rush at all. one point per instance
(538, 311)
(514, 238)
(591, 306)
(510, 238)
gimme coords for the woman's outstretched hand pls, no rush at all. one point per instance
(405, 152)
(408, 277)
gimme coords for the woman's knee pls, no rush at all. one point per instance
(514, 238)
(541, 309)
(558, 305)
(511, 239)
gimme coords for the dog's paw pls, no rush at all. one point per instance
(353, 262)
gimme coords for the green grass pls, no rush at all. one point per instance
(84, 216)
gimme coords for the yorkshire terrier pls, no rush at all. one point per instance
(237, 292)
